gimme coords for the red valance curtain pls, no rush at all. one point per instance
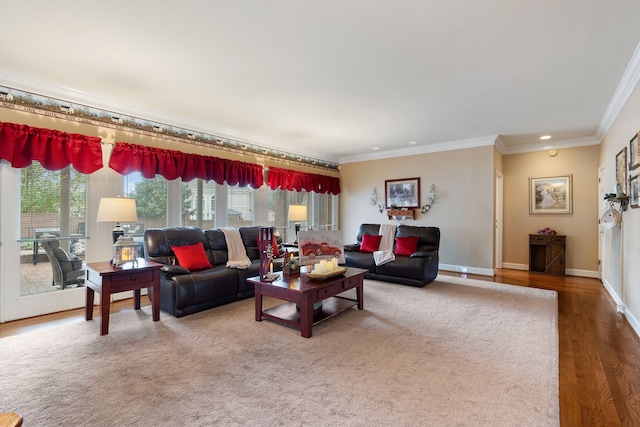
(293, 180)
(171, 164)
(55, 150)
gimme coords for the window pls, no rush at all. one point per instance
(277, 205)
(199, 203)
(325, 211)
(151, 201)
(240, 206)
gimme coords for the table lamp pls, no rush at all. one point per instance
(297, 213)
(117, 209)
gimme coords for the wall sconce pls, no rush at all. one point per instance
(373, 200)
(431, 199)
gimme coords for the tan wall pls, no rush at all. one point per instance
(623, 281)
(580, 227)
(464, 181)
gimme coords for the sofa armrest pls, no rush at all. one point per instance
(422, 254)
(175, 270)
(354, 247)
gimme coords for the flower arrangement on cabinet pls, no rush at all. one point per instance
(547, 230)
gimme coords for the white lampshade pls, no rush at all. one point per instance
(117, 209)
(297, 212)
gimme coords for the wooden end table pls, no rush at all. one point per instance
(104, 278)
(301, 293)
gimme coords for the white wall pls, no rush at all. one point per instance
(626, 293)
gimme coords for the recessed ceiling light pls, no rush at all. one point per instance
(375, 148)
(543, 137)
(412, 142)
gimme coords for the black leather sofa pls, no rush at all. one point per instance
(416, 270)
(185, 292)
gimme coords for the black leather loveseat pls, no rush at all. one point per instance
(418, 269)
(186, 292)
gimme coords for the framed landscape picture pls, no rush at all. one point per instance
(621, 170)
(551, 195)
(402, 193)
(634, 156)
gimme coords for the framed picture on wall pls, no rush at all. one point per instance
(634, 156)
(621, 170)
(551, 195)
(633, 192)
(402, 193)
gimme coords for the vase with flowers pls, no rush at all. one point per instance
(547, 230)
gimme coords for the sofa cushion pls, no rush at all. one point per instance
(360, 260)
(218, 252)
(429, 236)
(158, 242)
(403, 267)
(192, 257)
(407, 245)
(370, 243)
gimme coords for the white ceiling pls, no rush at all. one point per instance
(332, 79)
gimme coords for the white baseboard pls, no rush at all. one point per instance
(568, 272)
(633, 321)
(582, 273)
(465, 269)
(621, 308)
(514, 266)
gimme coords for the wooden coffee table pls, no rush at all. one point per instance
(301, 293)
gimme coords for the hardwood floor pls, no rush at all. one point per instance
(599, 351)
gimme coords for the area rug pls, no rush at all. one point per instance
(457, 352)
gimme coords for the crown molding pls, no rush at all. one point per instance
(564, 143)
(423, 149)
(500, 145)
(627, 84)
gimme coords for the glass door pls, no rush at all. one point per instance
(41, 209)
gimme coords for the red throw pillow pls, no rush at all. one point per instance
(370, 243)
(192, 257)
(407, 245)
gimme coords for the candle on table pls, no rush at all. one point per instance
(271, 267)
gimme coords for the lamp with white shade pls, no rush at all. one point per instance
(297, 213)
(117, 209)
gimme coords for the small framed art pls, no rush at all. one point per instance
(633, 192)
(621, 171)
(402, 193)
(551, 195)
(634, 156)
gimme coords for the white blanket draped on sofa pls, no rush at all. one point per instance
(385, 254)
(237, 254)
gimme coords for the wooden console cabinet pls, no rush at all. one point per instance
(547, 254)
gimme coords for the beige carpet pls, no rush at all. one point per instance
(456, 353)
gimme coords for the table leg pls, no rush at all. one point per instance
(88, 308)
(306, 316)
(258, 302)
(360, 296)
(155, 302)
(105, 307)
(136, 299)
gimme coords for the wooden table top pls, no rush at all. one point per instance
(10, 419)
